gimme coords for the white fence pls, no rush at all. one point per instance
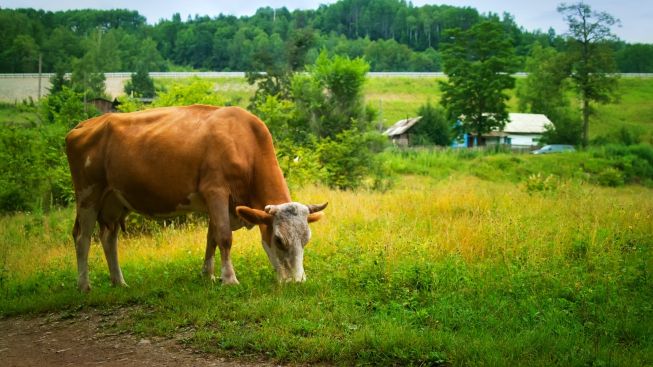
(19, 87)
(241, 74)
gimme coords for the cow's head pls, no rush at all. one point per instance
(285, 232)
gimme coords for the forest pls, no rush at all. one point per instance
(392, 35)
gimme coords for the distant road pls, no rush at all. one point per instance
(18, 87)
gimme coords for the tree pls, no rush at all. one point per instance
(544, 91)
(140, 85)
(592, 60)
(330, 98)
(433, 128)
(478, 63)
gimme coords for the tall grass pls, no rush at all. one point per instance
(458, 271)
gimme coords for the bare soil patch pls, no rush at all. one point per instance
(85, 340)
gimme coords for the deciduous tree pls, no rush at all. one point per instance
(478, 63)
(593, 64)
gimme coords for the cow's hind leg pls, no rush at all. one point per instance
(109, 239)
(219, 235)
(84, 224)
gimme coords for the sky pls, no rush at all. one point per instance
(635, 15)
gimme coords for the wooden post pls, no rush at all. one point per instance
(40, 64)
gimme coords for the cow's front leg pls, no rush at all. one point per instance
(219, 235)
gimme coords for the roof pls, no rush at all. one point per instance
(401, 126)
(527, 123)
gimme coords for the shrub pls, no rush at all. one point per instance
(349, 158)
(610, 177)
(433, 128)
(184, 94)
(540, 183)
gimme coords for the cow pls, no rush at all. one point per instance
(167, 161)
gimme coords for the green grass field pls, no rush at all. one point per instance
(461, 271)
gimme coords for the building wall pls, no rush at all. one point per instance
(524, 139)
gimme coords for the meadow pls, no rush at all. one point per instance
(470, 258)
(457, 271)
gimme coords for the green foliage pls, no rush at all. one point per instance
(348, 158)
(195, 91)
(637, 58)
(140, 85)
(609, 165)
(35, 171)
(566, 129)
(330, 99)
(538, 183)
(478, 63)
(433, 128)
(273, 83)
(66, 108)
(392, 35)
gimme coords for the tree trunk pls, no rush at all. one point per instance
(586, 121)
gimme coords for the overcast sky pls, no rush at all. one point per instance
(636, 15)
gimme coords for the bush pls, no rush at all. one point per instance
(185, 94)
(350, 157)
(433, 128)
(610, 177)
(34, 168)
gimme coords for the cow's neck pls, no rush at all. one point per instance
(270, 185)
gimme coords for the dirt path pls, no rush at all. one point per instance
(83, 340)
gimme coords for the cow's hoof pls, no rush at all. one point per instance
(84, 288)
(230, 281)
(120, 284)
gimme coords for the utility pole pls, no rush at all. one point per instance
(40, 65)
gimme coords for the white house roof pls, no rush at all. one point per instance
(527, 123)
(401, 126)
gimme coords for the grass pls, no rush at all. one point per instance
(458, 271)
(609, 165)
(18, 113)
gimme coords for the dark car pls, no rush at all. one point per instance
(554, 148)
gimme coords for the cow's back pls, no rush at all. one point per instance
(157, 159)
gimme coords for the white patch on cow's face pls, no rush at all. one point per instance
(87, 163)
(290, 233)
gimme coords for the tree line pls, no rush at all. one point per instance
(392, 35)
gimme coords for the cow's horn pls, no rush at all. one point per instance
(312, 208)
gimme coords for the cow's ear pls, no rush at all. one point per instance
(314, 217)
(254, 216)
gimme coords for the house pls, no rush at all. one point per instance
(522, 131)
(399, 133)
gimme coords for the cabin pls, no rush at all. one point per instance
(399, 133)
(104, 105)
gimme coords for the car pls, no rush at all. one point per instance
(554, 148)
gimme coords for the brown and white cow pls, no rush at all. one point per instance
(172, 160)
